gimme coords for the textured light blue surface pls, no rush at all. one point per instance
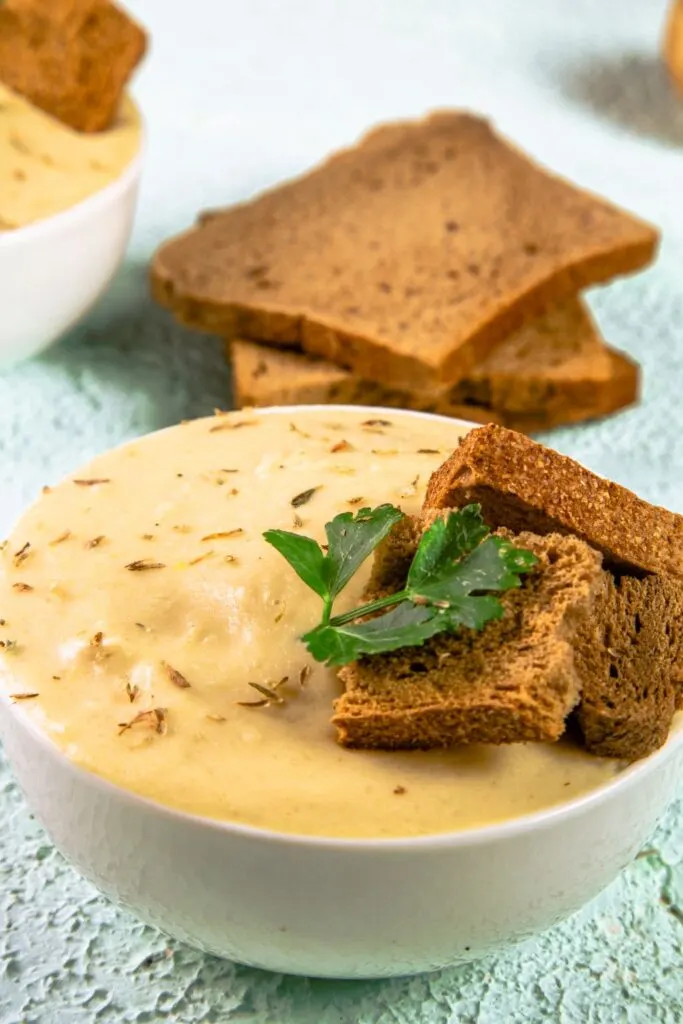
(236, 97)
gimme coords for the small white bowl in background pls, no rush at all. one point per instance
(345, 908)
(53, 271)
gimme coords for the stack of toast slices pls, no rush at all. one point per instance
(593, 637)
(431, 266)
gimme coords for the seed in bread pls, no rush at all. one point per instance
(71, 58)
(513, 681)
(627, 658)
(553, 370)
(523, 485)
(406, 258)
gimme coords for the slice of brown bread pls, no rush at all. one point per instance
(523, 485)
(71, 58)
(513, 681)
(406, 258)
(627, 658)
(673, 43)
(262, 376)
(553, 370)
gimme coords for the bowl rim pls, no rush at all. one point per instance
(89, 205)
(507, 829)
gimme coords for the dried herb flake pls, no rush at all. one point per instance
(296, 430)
(60, 540)
(302, 499)
(201, 558)
(221, 535)
(270, 694)
(176, 677)
(304, 675)
(22, 554)
(227, 425)
(155, 717)
(144, 563)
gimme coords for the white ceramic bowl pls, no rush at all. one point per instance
(344, 908)
(53, 271)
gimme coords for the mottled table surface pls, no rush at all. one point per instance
(238, 96)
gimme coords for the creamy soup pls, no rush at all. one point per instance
(139, 601)
(46, 167)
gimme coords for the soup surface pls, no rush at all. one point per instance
(147, 601)
(46, 167)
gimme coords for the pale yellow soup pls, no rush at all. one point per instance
(46, 167)
(100, 643)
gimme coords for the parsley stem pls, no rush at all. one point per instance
(368, 609)
(327, 610)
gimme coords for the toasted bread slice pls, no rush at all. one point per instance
(627, 657)
(523, 485)
(553, 370)
(407, 258)
(511, 682)
(71, 58)
(263, 376)
(673, 43)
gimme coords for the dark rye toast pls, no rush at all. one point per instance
(407, 258)
(628, 657)
(523, 485)
(71, 58)
(513, 681)
(553, 370)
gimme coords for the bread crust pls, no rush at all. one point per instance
(554, 370)
(525, 486)
(312, 262)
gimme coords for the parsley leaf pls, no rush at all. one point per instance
(455, 561)
(338, 645)
(445, 541)
(350, 539)
(492, 565)
(305, 556)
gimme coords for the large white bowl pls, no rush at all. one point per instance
(346, 908)
(53, 271)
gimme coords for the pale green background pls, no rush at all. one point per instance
(238, 95)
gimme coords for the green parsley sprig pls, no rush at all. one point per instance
(456, 562)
